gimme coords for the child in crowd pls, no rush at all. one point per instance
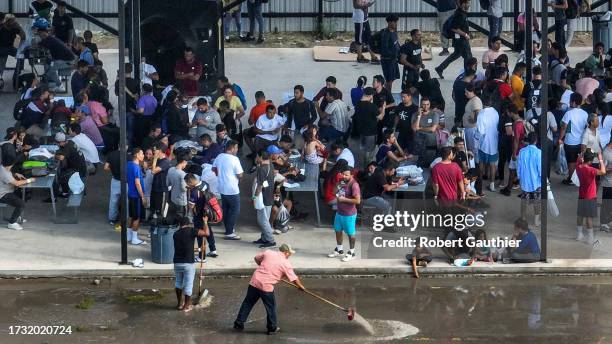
(420, 256)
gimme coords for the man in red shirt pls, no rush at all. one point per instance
(587, 193)
(272, 267)
(188, 72)
(447, 178)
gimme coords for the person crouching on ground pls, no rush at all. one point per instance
(420, 256)
(348, 197)
(272, 267)
(183, 260)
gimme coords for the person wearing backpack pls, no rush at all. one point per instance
(457, 28)
(532, 117)
(389, 51)
(559, 7)
(445, 9)
(199, 195)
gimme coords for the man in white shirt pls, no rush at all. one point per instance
(85, 145)
(229, 172)
(341, 151)
(362, 28)
(268, 128)
(148, 73)
(486, 124)
(573, 124)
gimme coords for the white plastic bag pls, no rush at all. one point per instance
(258, 201)
(552, 205)
(575, 178)
(76, 184)
(561, 162)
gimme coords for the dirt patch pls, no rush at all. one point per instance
(310, 39)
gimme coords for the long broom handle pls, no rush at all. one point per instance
(316, 296)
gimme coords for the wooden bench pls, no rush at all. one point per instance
(74, 203)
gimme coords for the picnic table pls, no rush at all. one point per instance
(411, 189)
(44, 182)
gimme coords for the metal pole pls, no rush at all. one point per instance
(516, 11)
(543, 129)
(122, 132)
(529, 39)
(11, 6)
(135, 46)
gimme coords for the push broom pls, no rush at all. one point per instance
(350, 312)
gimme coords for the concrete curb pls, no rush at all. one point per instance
(358, 271)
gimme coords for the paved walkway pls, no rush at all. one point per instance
(92, 247)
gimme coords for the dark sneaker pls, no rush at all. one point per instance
(260, 40)
(275, 331)
(505, 191)
(259, 241)
(439, 71)
(268, 244)
(444, 52)
(238, 327)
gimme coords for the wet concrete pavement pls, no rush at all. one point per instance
(516, 310)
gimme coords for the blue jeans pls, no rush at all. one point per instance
(199, 223)
(230, 205)
(255, 13)
(380, 203)
(227, 22)
(114, 199)
(253, 295)
(495, 27)
(185, 273)
(329, 133)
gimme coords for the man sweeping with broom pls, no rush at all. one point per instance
(183, 260)
(273, 266)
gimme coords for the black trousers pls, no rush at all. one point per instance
(16, 202)
(253, 295)
(606, 205)
(560, 31)
(462, 49)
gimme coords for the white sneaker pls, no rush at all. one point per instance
(14, 226)
(579, 236)
(348, 257)
(605, 228)
(136, 241)
(492, 187)
(336, 253)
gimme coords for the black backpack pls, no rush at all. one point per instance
(533, 124)
(376, 42)
(20, 107)
(485, 4)
(573, 9)
(447, 28)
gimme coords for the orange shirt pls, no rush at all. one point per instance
(257, 111)
(517, 85)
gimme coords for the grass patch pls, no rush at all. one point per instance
(146, 298)
(82, 328)
(86, 303)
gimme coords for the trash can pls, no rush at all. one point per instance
(602, 29)
(162, 244)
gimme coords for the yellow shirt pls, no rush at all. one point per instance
(234, 103)
(517, 85)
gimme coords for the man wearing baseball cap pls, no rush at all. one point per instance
(273, 266)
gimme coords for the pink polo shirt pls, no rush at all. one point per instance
(273, 265)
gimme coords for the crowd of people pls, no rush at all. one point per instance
(189, 152)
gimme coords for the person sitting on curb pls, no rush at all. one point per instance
(528, 250)
(183, 260)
